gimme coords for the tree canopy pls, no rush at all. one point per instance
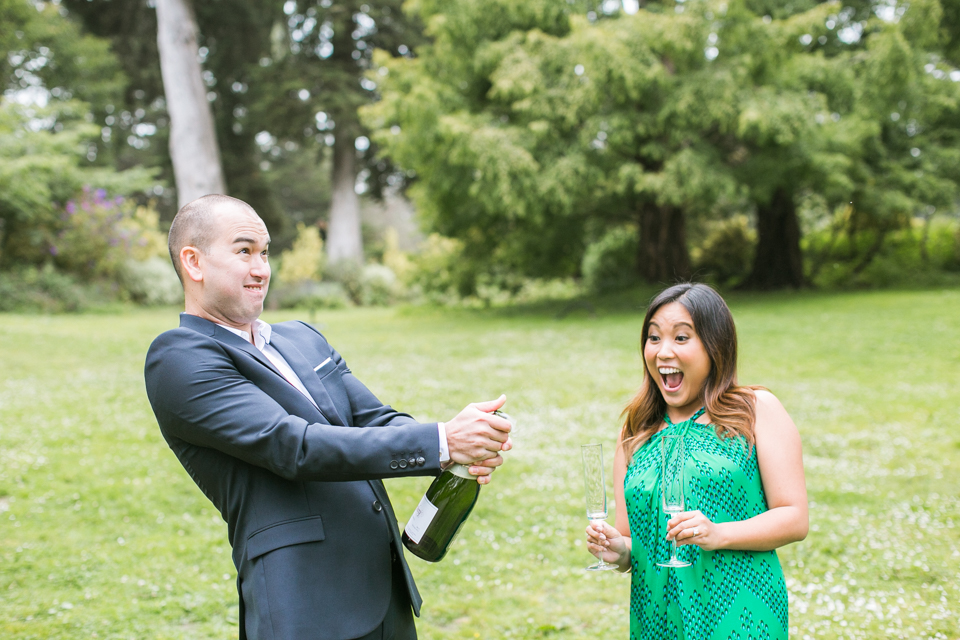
(534, 132)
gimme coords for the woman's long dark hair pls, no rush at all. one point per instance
(730, 407)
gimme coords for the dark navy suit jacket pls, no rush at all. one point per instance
(308, 518)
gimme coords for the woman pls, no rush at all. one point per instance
(743, 469)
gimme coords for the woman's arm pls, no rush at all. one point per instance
(615, 541)
(780, 459)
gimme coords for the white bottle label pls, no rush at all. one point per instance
(420, 520)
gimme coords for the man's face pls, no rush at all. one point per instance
(236, 271)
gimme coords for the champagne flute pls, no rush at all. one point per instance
(596, 493)
(671, 487)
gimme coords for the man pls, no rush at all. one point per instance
(290, 446)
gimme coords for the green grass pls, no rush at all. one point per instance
(102, 534)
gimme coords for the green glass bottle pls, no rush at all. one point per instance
(442, 511)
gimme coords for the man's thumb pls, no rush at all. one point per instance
(491, 405)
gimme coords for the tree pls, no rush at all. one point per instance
(319, 65)
(193, 141)
(530, 135)
(43, 164)
(57, 78)
(530, 138)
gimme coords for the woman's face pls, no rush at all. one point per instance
(676, 359)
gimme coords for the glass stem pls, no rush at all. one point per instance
(674, 558)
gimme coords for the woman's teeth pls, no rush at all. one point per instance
(672, 377)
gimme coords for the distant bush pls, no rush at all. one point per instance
(925, 254)
(378, 286)
(151, 282)
(399, 261)
(726, 254)
(439, 273)
(348, 274)
(41, 289)
(310, 295)
(303, 262)
(99, 234)
(608, 263)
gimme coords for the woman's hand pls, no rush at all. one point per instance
(615, 547)
(692, 527)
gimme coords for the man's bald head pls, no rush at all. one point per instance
(195, 225)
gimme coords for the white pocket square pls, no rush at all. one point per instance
(320, 366)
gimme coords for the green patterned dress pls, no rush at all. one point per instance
(724, 595)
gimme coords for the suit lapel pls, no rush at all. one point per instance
(307, 376)
(219, 333)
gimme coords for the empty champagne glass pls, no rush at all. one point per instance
(595, 492)
(671, 487)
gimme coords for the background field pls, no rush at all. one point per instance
(103, 535)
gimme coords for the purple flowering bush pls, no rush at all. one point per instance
(99, 234)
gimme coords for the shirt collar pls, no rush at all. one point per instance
(261, 331)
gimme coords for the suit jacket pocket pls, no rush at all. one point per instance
(284, 534)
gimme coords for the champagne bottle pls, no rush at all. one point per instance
(442, 511)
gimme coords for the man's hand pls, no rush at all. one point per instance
(476, 435)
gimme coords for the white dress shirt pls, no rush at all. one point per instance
(261, 340)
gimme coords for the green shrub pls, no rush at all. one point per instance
(726, 254)
(151, 282)
(310, 295)
(378, 286)
(44, 289)
(905, 258)
(440, 273)
(99, 234)
(348, 274)
(304, 260)
(608, 264)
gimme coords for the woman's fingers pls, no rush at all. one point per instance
(678, 523)
(690, 527)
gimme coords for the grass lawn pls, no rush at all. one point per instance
(102, 534)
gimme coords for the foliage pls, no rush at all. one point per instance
(310, 295)
(304, 261)
(608, 262)
(151, 282)
(725, 255)
(41, 289)
(98, 235)
(396, 259)
(925, 253)
(439, 269)
(43, 165)
(378, 285)
(530, 131)
(93, 501)
(348, 274)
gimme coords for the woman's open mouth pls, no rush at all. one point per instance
(672, 378)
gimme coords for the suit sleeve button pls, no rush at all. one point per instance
(403, 463)
(377, 506)
(421, 461)
(412, 461)
(394, 465)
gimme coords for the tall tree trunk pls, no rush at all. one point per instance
(193, 140)
(343, 232)
(662, 252)
(778, 262)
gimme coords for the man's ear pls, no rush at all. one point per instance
(190, 259)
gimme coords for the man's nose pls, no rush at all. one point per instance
(260, 268)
